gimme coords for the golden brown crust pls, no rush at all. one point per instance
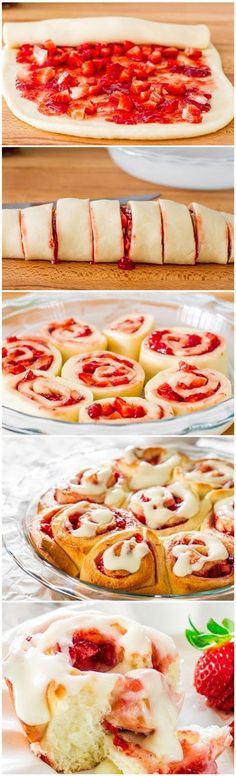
(210, 500)
(47, 547)
(202, 487)
(151, 578)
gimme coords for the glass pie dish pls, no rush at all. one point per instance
(201, 311)
(20, 508)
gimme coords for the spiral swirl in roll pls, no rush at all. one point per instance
(188, 389)
(203, 555)
(71, 336)
(22, 353)
(106, 374)
(163, 508)
(96, 484)
(164, 348)
(45, 395)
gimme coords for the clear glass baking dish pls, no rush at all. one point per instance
(191, 168)
(29, 312)
(20, 507)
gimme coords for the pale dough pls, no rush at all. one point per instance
(212, 235)
(146, 236)
(74, 232)
(11, 234)
(107, 230)
(37, 235)
(178, 234)
(70, 31)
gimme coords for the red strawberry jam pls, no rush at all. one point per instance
(91, 651)
(122, 82)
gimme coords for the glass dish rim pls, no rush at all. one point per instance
(101, 592)
(191, 423)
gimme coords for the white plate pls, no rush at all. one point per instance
(17, 758)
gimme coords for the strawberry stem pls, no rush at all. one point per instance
(217, 633)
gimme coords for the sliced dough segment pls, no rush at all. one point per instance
(74, 231)
(107, 230)
(178, 234)
(11, 235)
(37, 232)
(229, 217)
(211, 233)
(146, 235)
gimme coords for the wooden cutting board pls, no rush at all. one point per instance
(90, 172)
(218, 16)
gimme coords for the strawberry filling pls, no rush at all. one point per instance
(52, 396)
(23, 356)
(156, 342)
(114, 410)
(126, 223)
(129, 325)
(120, 522)
(120, 82)
(115, 371)
(198, 381)
(46, 526)
(90, 651)
(69, 326)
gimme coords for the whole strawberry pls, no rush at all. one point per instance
(214, 671)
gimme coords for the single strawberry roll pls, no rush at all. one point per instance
(125, 334)
(106, 374)
(76, 529)
(72, 336)
(145, 467)
(42, 539)
(220, 516)
(121, 410)
(187, 388)
(164, 348)
(96, 484)
(206, 474)
(45, 395)
(22, 353)
(198, 561)
(131, 562)
(167, 509)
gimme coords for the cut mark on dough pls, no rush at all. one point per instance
(55, 259)
(230, 242)
(162, 234)
(195, 233)
(21, 235)
(127, 226)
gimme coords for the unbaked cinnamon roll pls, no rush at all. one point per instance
(125, 334)
(72, 336)
(164, 348)
(106, 374)
(22, 353)
(187, 388)
(36, 393)
(120, 410)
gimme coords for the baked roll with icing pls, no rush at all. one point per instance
(76, 529)
(131, 562)
(220, 516)
(125, 334)
(206, 474)
(100, 484)
(37, 393)
(198, 561)
(22, 353)
(120, 410)
(167, 509)
(188, 388)
(164, 348)
(42, 538)
(106, 374)
(146, 467)
(108, 687)
(72, 336)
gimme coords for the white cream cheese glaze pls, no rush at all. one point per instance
(91, 517)
(190, 557)
(216, 473)
(154, 510)
(225, 509)
(130, 556)
(147, 475)
(95, 483)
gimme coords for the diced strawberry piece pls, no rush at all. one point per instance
(40, 55)
(170, 52)
(191, 113)
(88, 68)
(49, 45)
(90, 109)
(125, 103)
(95, 411)
(79, 91)
(176, 88)
(155, 57)
(135, 53)
(117, 49)
(125, 76)
(46, 74)
(193, 53)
